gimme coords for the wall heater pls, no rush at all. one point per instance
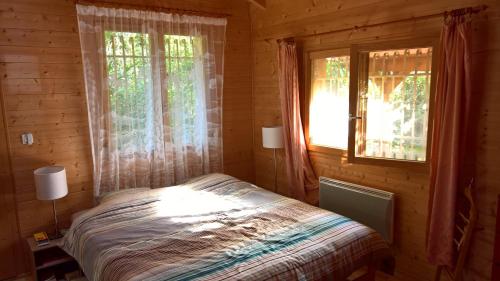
(369, 206)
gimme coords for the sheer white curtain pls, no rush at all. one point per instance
(154, 93)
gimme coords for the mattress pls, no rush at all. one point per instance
(217, 228)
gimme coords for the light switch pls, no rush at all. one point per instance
(27, 138)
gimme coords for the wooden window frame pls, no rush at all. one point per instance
(353, 100)
(309, 56)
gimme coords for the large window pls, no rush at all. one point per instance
(154, 86)
(374, 102)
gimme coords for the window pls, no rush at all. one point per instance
(372, 100)
(153, 85)
(329, 99)
(129, 71)
(181, 68)
(390, 115)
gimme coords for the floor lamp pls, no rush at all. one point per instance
(272, 137)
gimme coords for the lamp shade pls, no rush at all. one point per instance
(272, 137)
(50, 183)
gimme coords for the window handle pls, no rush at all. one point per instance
(354, 117)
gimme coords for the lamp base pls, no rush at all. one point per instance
(57, 233)
(55, 236)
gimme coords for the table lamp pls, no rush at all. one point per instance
(272, 137)
(51, 184)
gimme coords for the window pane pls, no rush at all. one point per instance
(129, 83)
(182, 70)
(329, 105)
(394, 104)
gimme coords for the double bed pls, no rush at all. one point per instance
(216, 227)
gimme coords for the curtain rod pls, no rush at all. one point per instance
(456, 12)
(108, 4)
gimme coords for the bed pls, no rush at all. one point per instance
(216, 227)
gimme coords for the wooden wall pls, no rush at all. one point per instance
(284, 18)
(43, 89)
(8, 217)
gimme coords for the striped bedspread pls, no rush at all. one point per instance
(217, 228)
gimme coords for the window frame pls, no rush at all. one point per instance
(310, 55)
(353, 100)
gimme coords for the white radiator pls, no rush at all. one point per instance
(369, 206)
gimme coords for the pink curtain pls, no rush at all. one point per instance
(302, 179)
(451, 114)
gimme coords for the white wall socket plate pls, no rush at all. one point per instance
(27, 138)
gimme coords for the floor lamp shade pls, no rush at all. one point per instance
(50, 183)
(272, 137)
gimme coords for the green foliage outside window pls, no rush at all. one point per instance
(181, 94)
(409, 103)
(337, 67)
(129, 77)
(410, 97)
(129, 69)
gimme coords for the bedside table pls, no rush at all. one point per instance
(50, 260)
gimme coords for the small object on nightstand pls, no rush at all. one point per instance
(50, 261)
(41, 238)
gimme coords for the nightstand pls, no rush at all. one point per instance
(50, 260)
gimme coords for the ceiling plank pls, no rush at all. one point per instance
(259, 3)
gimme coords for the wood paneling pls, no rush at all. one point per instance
(259, 3)
(10, 257)
(495, 272)
(43, 90)
(284, 18)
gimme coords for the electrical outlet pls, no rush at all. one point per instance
(27, 138)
